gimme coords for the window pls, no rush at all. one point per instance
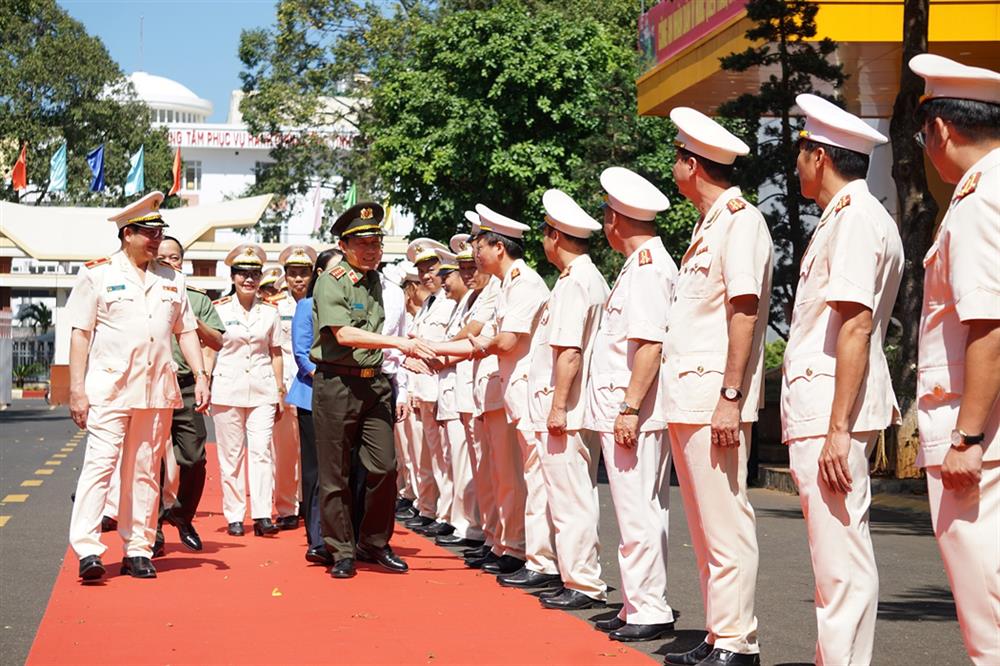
(192, 175)
(260, 170)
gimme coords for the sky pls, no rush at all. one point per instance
(194, 42)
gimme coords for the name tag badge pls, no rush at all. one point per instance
(286, 319)
(358, 306)
(116, 287)
(234, 322)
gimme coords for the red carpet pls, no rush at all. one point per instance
(255, 600)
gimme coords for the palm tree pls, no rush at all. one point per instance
(38, 316)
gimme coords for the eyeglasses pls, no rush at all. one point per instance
(248, 275)
(149, 232)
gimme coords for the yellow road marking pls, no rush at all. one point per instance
(31, 483)
(14, 498)
(3, 520)
(45, 472)
(53, 462)
(58, 455)
(68, 449)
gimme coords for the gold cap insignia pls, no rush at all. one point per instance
(366, 214)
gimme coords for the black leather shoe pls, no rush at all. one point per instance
(408, 513)
(384, 557)
(158, 543)
(108, 524)
(720, 657)
(138, 567)
(189, 537)
(287, 522)
(344, 568)
(572, 600)
(689, 658)
(264, 527)
(632, 633)
(476, 553)
(419, 521)
(480, 562)
(235, 529)
(403, 503)
(91, 568)
(319, 555)
(506, 564)
(455, 540)
(526, 578)
(436, 530)
(551, 592)
(612, 624)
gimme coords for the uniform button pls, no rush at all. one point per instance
(151, 339)
(938, 389)
(149, 363)
(701, 369)
(809, 372)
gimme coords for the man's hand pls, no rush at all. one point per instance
(279, 409)
(79, 405)
(726, 424)
(416, 348)
(627, 430)
(402, 411)
(834, 469)
(556, 423)
(962, 469)
(202, 394)
(416, 365)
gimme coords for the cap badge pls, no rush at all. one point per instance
(804, 134)
(366, 214)
(969, 187)
(249, 252)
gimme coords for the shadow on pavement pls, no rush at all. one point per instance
(883, 521)
(929, 603)
(41, 413)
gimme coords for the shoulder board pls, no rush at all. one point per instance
(169, 287)
(645, 257)
(338, 272)
(971, 183)
(277, 298)
(354, 277)
(191, 287)
(844, 202)
(268, 303)
(221, 301)
(97, 262)
(736, 205)
(516, 273)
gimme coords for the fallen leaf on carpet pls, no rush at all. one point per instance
(275, 592)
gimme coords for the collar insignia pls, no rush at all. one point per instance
(970, 185)
(645, 257)
(355, 278)
(736, 205)
(565, 272)
(844, 202)
(514, 274)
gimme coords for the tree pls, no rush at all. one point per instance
(59, 84)
(780, 33)
(38, 316)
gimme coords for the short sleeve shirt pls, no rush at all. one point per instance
(961, 284)
(344, 296)
(855, 255)
(243, 375)
(430, 323)
(285, 303)
(523, 293)
(204, 311)
(487, 393)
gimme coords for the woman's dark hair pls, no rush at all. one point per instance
(514, 249)
(322, 261)
(848, 163)
(978, 121)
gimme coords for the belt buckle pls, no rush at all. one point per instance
(367, 373)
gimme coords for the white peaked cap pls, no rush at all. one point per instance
(472, 218)
(699, 134)
(947, 78)
(490, 220)
(564, 214)
(423, 249)
(459, 244)
(632, 195)
(828, 123)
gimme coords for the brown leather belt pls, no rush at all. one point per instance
(350, 370)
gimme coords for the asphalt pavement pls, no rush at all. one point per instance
(916, 620)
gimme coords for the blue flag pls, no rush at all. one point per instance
(136, 181)
(95, 160)
(57, 170)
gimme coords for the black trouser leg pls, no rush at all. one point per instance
(310, 478)
(188, 434)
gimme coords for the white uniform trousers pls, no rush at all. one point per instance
(723, 531)
(423, 477)
(569, 468)
(464, 509)
(169, 483)
(238, 429)
(286, 463)
(967, 527)
(436, 455)
(509, 491)
(406, 476)
(539, 532)
(482, 471)
(640, 489)
(840, 546)
(138, 437)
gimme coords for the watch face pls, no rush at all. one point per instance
(956, 438)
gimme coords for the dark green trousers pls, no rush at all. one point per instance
(354, 413)
(188, 434)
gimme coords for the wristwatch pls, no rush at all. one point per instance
(960, 439)
(625, 410)
(731, 394)
(201, 373)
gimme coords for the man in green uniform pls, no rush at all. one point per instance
(352, 399)
(187, 431)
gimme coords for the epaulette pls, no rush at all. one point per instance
(645, 257)
(844, 202)
(969, 187)
(169, 287)
(353, 277)
(97, 262)
(514, 274)
(223, 300)
(337, 272)
(277, 298)
(191, 287)
(268, 303)
(736, 205)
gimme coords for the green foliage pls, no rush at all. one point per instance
(25, 371)
(56, 81)
(774, 353)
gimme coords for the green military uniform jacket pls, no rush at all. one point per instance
(204, 311)
(344, 297)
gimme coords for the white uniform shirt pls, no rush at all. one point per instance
(429, 324)
(961, 284)
(394, 303)
(487, 394)
(570, 318)
(243, 375)
(856, 256)
(519, 307)
(729, 256)
(637, 310)
(447, 405)
(130, 362)
(285, 303)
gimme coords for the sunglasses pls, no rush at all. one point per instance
(248, 274)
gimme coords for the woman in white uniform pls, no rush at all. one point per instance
(247, 389)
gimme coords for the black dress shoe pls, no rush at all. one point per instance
(235, 529)
(611, 624)
(720, 657)
(384, 557)
(403, 503)
(319, 555)
(189, 537)
(504, 565)
(406, 514)
(158, 543)
(480, 562)
(264, 527)
(419, 521)
(436, 530)
(455, 540)
(138, 567)
(526, 578)
(287, 522)
(108, 524)
(344, 568)
(476, 553)
(689, 658)
(632, 633)
(91, 568)
(572, 600)
(551, 592)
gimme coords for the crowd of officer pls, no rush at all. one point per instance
(458, 393)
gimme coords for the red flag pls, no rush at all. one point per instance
(175, 188)
(20, 174)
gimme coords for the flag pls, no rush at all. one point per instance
(136, 180)
(176, 187)
(317, 202)
(95, 160)
(351, 197)
(57, 170)
(19, 176)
